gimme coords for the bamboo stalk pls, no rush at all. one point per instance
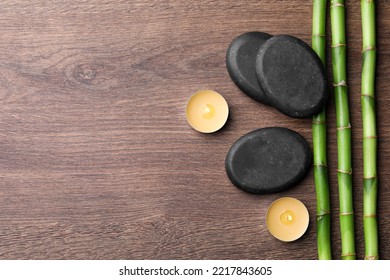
(337, 15)
(320, 164)
(369, 131)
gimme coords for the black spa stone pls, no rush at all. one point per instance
(268, 160)
(241, 60)
(292, 76)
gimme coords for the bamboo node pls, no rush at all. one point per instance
(369, 48)
(323, 213)
(369, 178)
(346, 213)
(370, 137)
(337, 5)
(348, 254)
(343, 127)
(338, 45)
(320, 164)
(318, 122)
(344, 171)
(367, 95)
(340, 84)
(318, 35)
(369, 216)
(371, 257)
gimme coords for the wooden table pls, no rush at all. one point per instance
(97, 160)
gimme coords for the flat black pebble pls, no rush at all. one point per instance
(292, 76)
(268, 160)
(241, 63)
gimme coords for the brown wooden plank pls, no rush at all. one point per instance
(96, 158)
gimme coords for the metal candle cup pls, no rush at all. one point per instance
(287, 219)
(207, 111)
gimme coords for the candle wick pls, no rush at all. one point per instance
(208, 111)
(287, 217)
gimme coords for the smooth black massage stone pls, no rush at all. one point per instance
(241, 63)
(292, 76)
(268, 160)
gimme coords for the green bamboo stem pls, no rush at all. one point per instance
(320, 164)
(369, 131)
(337, 15)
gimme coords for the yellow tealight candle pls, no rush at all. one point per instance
(207, 111)
(287, 219)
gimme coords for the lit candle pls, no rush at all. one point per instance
(207, 111)
(287, 219)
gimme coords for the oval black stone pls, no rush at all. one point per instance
(292, 76)
(268, 160)
(241, 63)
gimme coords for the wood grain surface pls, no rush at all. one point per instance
(97, 160)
